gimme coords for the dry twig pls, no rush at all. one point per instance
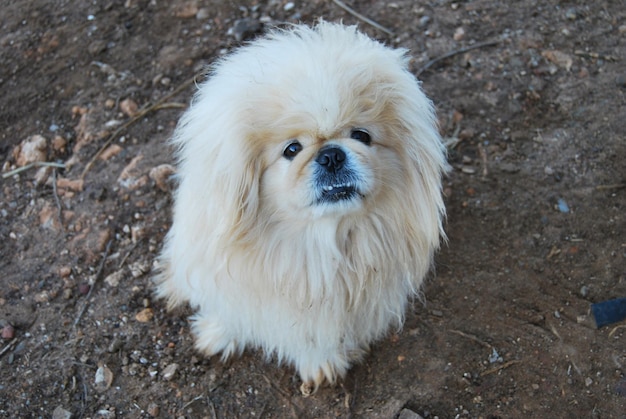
(98, 274)
(595, 55)
(500, 367)
(471, 337)
(212, 407)
(363, 18)
(56, 198)
(611, 187)
(31, 165)
(9, 346)
(192, 401)
(453, 53)
(483, 158)
(615, 329)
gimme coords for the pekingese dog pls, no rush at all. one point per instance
(309, 202)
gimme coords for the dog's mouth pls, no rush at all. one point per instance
(338, 192)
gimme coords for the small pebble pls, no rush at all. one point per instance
(203, 14)
(153, 410)
(58, 144)
(571, 13)
(459, 34)
(115, 345)
(75, 185)
(169, 371)
(42, 297)
(84, 288)
(129, 107)
(144, 315)
(408, 414)
(103, 378)
(110, 151)
(137, 232)
(495, 356)
(105, 414)
(424, 21)
(584, 291)
(113, 280)
(8, 332)
(245, 29)
(138, 269)
(161, 175)
(60, 413)
(33, 149)
(562, 206)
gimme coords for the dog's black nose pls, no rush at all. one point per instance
(331, 158)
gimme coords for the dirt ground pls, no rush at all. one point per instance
(531, 100)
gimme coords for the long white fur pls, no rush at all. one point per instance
(264, 266)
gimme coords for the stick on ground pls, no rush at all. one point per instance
(363, 18)
(98, 274)
(453, 53)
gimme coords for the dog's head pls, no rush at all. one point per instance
(313, 123)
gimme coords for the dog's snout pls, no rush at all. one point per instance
(331, 158)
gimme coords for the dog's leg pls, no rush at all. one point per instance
(212, 337)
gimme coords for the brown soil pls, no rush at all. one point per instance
(536, 201)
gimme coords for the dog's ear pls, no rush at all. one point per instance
(427, 155)
(219, 167)
(240, 184)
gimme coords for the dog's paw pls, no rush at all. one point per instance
(307, 388)
(212, 338)
(324, 375)
(316, 374)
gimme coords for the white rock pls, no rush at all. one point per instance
(161, 174)
(169, 371)
(61, 413)
(32, 149)
(114, 279)
(103, 379)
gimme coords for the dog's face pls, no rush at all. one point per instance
(310, 174)
(330, 150)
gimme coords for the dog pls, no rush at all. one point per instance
(309, 200)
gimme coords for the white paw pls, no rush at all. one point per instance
(212, 338)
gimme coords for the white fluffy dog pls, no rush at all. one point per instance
(309, 205)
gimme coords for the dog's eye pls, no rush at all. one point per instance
(361, 135)
(292, 150)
